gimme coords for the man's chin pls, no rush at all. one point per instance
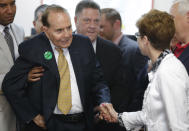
(8, 22)
(92, 38)
(65, 45)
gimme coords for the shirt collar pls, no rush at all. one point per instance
(179, 46)
(2, 27)
(94, 46)
(53, 47)
(160, 58)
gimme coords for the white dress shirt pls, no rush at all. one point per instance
(13, 37)
(76, 101)
(94, 46)
(166, 99)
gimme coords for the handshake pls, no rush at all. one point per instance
(107, 113)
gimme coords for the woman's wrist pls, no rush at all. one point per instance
(119, 118)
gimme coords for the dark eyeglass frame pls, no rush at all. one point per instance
(137, 34)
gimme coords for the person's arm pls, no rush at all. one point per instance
(100, 89)
(173, 84)
(35, 74)
(14, 85)
(130, 120)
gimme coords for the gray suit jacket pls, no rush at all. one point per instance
(7, 117)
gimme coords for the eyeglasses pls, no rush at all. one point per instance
(137, 34)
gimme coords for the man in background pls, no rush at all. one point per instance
(37, 18)
(180, 12)
(37, 23)
(133, 60)
(132, 63)
(10, 37)
(87, 21)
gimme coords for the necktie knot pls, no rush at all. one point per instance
(60, 51)
(6, 29)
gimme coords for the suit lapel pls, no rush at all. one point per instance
(98, 48)
(5, 49)
(15, 34)
(76, 62)
(40, 59)
(50, 64)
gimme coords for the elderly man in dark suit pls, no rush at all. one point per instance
(71, 84)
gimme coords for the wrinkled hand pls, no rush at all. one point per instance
(103, 112)
(112, 113)
(39, 121)
(35, 74)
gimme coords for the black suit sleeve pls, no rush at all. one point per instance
(101, 91)
(14, 87)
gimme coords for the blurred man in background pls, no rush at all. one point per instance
(87, 21)
(37, 18)
(180, 12)
(132, 63)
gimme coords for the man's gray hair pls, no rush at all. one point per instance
(183, 6)
(39, 10)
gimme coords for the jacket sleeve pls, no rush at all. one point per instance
(101, 91)
(14, 87)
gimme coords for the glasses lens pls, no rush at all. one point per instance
(137, 34)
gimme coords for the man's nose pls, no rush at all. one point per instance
(93, 24)
(101, 29)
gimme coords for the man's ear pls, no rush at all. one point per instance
(145, 39)
(75, 20)
(34, 23)
(117, 24)
(187, 17)
(44, 29)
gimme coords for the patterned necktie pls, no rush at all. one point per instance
(64, 96)
(9, 41)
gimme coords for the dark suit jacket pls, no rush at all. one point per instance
(133, 61)
(40, 97)
(184, 58)
(109, 56)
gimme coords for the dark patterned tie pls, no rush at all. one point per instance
(9, 41)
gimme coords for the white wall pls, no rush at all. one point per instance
(25, 14)
(130, 10)
(163, 5)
